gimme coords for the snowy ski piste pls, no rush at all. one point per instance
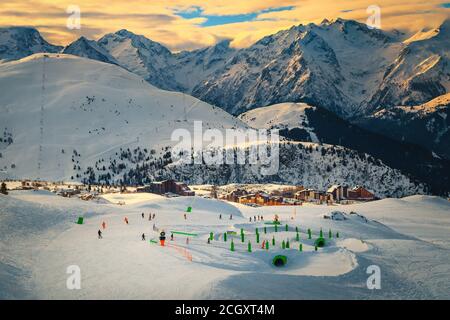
(41, 242)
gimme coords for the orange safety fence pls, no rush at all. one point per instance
(183, 251)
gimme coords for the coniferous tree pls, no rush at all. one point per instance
(3, 189)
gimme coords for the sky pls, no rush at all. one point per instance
(191, 24)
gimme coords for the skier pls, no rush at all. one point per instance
(209, 240)
(143, 237)
(150, 217)
(171, 237)
(185, 216)
(250, 219)
(126, 220)
(162, 238)
(187, 240)
(231, 217)
(154, 227)
(220, 216)
(154, 215)
(104, 225)
(142, 215)
(254, 218)
(100, 234)
(263, 244)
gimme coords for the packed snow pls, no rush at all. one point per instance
(39, 238)
(90, 108)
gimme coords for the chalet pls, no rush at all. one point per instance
(311, 195)
(235, 194)
(305, 195)
(337, 192)
(248, 198)
(360, 193)
(167, 187)
(261, 199)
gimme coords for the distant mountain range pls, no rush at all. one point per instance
(103, 124)
(377, 92)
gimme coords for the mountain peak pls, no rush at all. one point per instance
(86, 48)
(21, 41)
(125, 33)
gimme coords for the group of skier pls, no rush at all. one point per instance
(151, 216)
(260, 218)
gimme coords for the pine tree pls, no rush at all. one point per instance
(3, 189)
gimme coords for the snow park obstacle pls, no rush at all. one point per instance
(80, 220)
(279, 261)
(184, 233)
(272, 223)
(320, 242)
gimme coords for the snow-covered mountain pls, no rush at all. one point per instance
(340, 65)
(335, 65)
(89, 49)
(308, 164)
(427, 124)
(159, 66)
(101, 123)
(92, 111)
(19, 42)
(148, 59)
(301, 122)
(419, 73)
(192, 67)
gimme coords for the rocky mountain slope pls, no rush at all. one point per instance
(103, 124)
(19, 42)
(301, 122)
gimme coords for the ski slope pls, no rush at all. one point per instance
(90, 107)
(407, 238)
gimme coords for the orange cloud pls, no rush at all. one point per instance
(157, 19)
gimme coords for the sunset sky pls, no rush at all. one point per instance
(188, 24)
